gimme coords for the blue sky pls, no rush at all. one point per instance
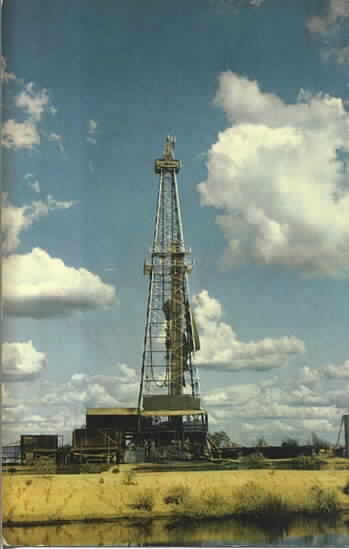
(256, 93)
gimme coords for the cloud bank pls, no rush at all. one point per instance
(275, 410)
(61, 407)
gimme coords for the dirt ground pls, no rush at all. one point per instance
(50, 498)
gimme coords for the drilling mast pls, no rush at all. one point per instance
(169, 378)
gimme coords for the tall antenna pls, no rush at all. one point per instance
(168, 378)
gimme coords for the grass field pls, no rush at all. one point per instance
(53, 498)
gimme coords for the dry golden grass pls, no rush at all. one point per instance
(76, 497)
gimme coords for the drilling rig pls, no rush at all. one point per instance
(169, 378)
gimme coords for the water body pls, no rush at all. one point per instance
(299, 532)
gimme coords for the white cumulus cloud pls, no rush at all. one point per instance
(38, 285)
(221, 347)
(34, 103)
(239, 395)
(305, 396)
(16, 219)
(19, 135)
(61, 407)
(4, 75)
(21, 361)
(35, 186)
(277, 176)
(331, 27)
(336, 11)
(256, 3)
(91, 131)
(58, 139)
(92, 126)
(309, 377)
(88, 391)
(338, 371)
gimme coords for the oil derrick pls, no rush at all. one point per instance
(169, 380)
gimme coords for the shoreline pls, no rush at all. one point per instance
(171, 517)
(165, 533)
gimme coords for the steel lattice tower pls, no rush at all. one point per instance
(169, 378)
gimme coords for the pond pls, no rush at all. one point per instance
(299, 532)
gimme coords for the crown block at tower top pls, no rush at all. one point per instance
(167, 165)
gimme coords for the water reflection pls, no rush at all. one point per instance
(159, 532)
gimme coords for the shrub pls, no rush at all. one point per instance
(91, 468)
(188, 507)
(253, 461)
(256, 503)
(144, 502)
(101, 480)
(306, 462)
(250, 498)
(213, 500)
(323, 502)
(274, 506)
(44, 465)
(210, 504)
(290, 443)
(28, 482)
(177, 495)
(115, 470)
(214, 504)
(346, 488)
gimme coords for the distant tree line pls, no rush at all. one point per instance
(222, 440)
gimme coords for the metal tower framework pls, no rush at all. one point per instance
(168, 374)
